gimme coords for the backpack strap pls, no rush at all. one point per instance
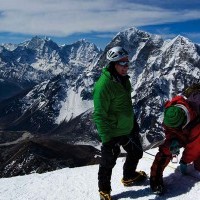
(194, 101)
(193, 123)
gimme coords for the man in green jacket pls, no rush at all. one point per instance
(115, 122)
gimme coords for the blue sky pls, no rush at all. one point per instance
(66, 21)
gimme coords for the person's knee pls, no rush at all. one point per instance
(140, 154)
(109, 156)
(134, 150)
(108, 162)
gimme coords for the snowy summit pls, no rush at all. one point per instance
(81, 184)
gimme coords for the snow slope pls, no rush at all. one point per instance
(81, 184)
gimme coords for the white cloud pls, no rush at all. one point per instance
(65, 17)
(166, 33)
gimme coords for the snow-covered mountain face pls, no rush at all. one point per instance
(159, 70)
(64, 77)
(61, 76)
(37, 60)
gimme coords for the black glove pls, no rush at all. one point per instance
(136, 128)
(135, 135)
(183, 167)
(175, 147)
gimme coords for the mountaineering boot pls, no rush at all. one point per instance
(157, 185)
(105, 195)
(138, 178)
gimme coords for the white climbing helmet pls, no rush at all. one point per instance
(116, 53)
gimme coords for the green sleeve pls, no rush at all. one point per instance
(101, 97)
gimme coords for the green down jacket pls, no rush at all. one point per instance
(113, 112)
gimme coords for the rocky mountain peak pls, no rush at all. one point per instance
(136, 37)
(158, 70)
(39, 43)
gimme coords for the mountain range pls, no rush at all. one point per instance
(46, 89)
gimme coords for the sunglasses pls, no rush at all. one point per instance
(124, 64)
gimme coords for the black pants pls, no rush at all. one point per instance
(109, 154)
